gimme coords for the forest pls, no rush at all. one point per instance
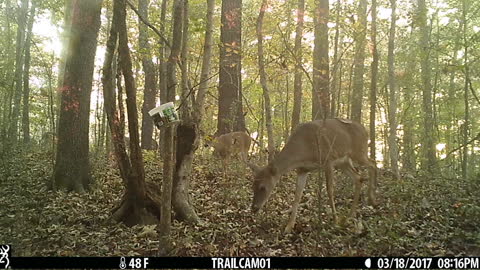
(321, 128)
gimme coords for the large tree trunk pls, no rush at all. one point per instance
(26, 77)
(373, 87)
(263, 81)
(297, 82)
(19, 52)
(149, 92)
(230, 81)
(392, 109)
(72, 169)
(321, 94)
(428, 142)
(359, 58)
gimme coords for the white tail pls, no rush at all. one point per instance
(230, 144)
(327, 144)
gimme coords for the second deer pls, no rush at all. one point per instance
(227, 145)
(326, 144)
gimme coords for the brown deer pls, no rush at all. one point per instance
(228, 145)
(326, 144)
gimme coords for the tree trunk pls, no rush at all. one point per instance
(466, 124)
(26, 77)
(187, 131)
(17, 96)
(149, 93)
(335, 89)
(297, 83)
(162, 70)
(359, 58)
(135, 203)
(392, 109)
(72, 169)
(230, 82)
(263, 82)
(428, 145)
(321, 95)
(169, 140)
(373, 86)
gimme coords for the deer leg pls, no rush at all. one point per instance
(329, 176)
(301, 181)
(372, 181)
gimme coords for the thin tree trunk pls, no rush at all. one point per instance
(26, 77)
(162, 69)
(17, 96)
(297, 83)
(373, 86)
(169, 140)
(428, 147)
(359, 58)
(263, 81)
(392, 109)
(336, 63)
(466, 124)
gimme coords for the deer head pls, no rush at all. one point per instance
(263, 185)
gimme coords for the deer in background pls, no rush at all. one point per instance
(326, 144)
(228, 145)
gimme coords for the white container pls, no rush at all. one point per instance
(164, 115)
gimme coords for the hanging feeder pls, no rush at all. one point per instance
(164, 115)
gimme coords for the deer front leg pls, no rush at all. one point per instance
(329, 179)
(301, 181)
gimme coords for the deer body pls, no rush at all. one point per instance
(231, 144)
(327, 144)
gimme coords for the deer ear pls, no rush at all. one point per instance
(254, 167)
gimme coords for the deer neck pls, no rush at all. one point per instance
(284, 162)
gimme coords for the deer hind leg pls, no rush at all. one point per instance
(301, 181)
(347, 167)
(329, 176)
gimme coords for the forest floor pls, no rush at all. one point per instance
(417, 216)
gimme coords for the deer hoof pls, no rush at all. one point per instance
(288, 229)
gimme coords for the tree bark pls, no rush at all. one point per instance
(150, 92)
(26, 77)
(335, 89)
(359, 59)
(392, 109)
(135, 203)
(321, 92)
(428, 145)
(373, 86)
(230, 82)
(72, 168)
(19, 61)
(263, 81)
(466, 124)
(297, 83)
(169, 139)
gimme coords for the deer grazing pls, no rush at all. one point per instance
(228, 145)
(326, 144)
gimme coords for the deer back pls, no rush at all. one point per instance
(232, 143)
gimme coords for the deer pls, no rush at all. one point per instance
(321, 144)
(228, 145)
